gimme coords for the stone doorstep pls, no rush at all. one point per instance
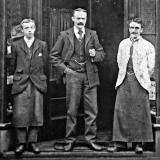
(84, 155)
(7, 137)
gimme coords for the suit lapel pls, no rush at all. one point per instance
(23, 45)
(70, 34)
(36, 46)
(87, 36)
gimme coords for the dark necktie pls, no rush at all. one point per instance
(80, 32)
(131, 48)
(130, 63)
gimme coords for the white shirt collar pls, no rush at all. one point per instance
(134, 40)
(76, 31)
(29, 42)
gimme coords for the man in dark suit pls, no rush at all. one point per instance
(76, 54)
(29, 59)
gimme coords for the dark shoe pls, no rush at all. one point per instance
(95, 147)
(68, 147)
(138, 149)
(20, 149)
(33, 148)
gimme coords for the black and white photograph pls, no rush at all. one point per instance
(80, 80)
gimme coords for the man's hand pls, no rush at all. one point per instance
(69, 71)
(92, 52)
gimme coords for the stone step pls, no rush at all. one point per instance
(54, 150)
(82, 155)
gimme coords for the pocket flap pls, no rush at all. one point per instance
(43, 77)
(19, 70)
(17, 78)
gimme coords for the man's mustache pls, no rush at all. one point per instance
(80, 23)
(133, 33)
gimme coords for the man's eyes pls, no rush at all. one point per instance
(80, 18)
(134, 27)
(28, 27)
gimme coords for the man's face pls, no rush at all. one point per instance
(28, 29)
(79, 19)
(135, 29)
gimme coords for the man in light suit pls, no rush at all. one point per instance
(132, 119)
(29, 63)
(76, 54)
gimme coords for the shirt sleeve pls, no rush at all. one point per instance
(151, 59)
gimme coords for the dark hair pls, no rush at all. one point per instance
(79, 10)
(137, 20)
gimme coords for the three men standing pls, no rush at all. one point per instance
(76, 54)
(29, 60)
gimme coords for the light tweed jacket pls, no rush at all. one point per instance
(143, 61)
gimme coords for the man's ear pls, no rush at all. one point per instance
(72, 18)
(35, 28)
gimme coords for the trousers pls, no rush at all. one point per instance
(77, 85)
(25, 135)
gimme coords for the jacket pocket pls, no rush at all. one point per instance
(95, 68)
(19, 70)
(43, 77)
(17, 78)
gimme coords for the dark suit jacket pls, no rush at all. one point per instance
(26, 68)
(64, 48)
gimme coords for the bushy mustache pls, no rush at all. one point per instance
(133, 33)
(80, 23)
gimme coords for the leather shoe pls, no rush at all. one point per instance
(94, 146)
(68, 147)
(138, 149)
(20, 149)
(33, 148)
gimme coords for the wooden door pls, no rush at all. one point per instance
(107, 20)
(60, 19)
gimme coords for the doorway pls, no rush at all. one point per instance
(108, 19)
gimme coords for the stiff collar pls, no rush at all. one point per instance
(135, 39)
(76, 30)
(29, 42)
